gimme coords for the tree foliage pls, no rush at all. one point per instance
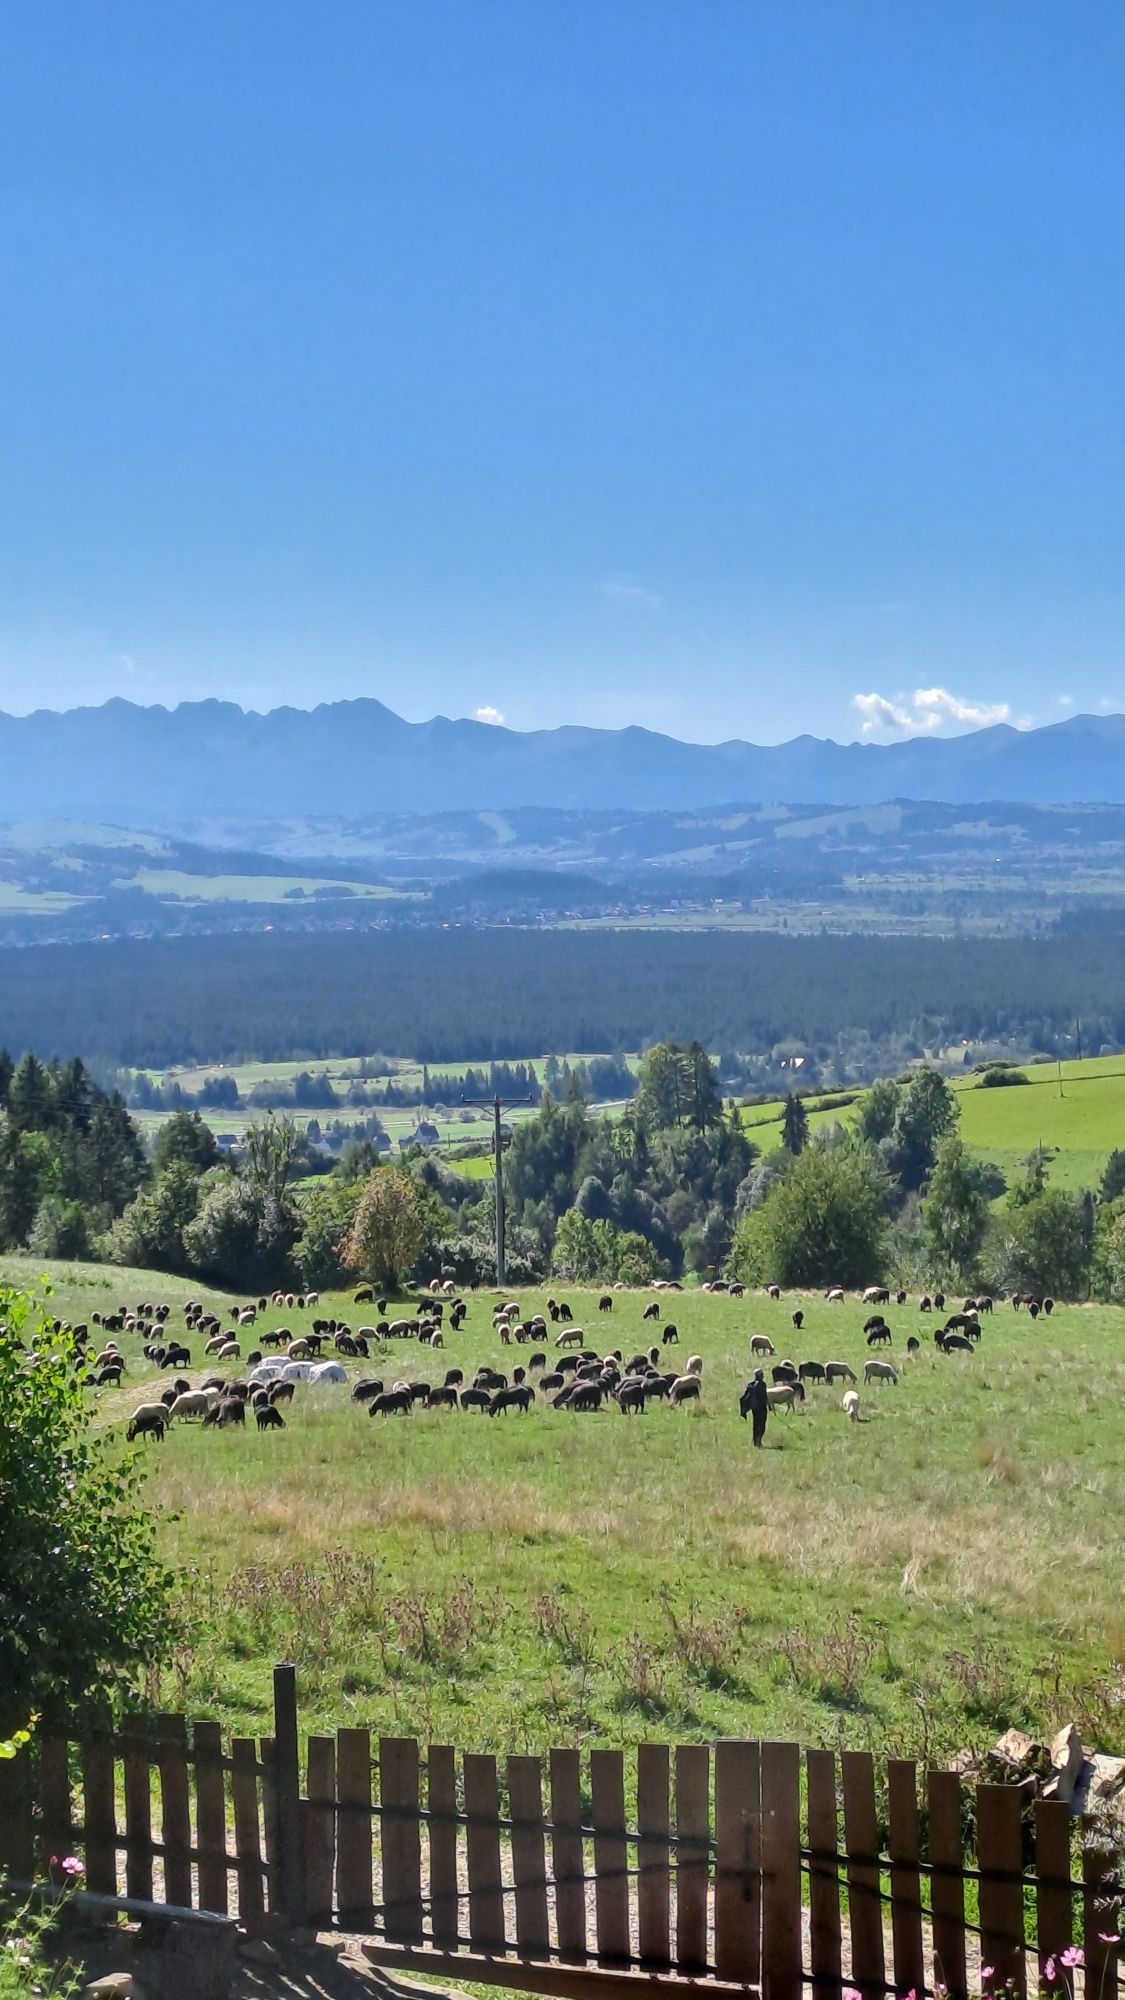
(954, 1214)
(823, 1222)
(84, 1603)
(391, 1226)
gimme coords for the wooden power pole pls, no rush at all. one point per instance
(497, 1105)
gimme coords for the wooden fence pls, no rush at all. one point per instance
(725, 1867)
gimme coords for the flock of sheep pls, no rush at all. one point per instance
(563, 1370)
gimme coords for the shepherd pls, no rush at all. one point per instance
(754, 1403)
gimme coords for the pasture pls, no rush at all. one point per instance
(924, 1578)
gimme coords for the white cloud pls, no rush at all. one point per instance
(925, 711)
(625, 590)
(879, 713)
(1066, 701)
(489, 714)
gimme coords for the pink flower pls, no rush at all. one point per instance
(1050, 1970)
(1108, 1937)
(1073, 1955)
(73, 1867)
(988, 1972)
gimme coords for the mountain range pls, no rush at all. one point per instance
(159, 767)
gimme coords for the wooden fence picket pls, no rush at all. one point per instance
(441, 1801)
(56, 1822)
(1000, 1855)
(1099, 1913)
(738, 1819)
(947, 1882)
(611, 1856)
(247, 1837)
(175, 1808)
(320, 1830)
(865, 1908)
(482, 1851)
(99, 1816)
(354, 1829)
(529, 1855)
(137, 1759)
(906, 1880)
(654, 1877)
(400, 1838)
(568, 1860)
(692, 1766)
(825, 1938)
(1054, 1898)
(781, 1871)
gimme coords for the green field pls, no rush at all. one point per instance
(923, 1579)
(1076, 1110)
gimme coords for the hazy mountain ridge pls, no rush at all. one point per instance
(169, 767)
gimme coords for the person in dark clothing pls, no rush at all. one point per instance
(754, 1403)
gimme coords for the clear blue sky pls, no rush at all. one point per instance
(701, 364)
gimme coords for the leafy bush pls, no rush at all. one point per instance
(84, 1603)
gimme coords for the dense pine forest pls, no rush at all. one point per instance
(492, 995)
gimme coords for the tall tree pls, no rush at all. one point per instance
(794, 1125)
(954, 1214)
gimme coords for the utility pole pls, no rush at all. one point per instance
(497, 1105)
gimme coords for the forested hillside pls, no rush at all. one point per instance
(484, 995)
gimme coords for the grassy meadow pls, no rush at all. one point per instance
(923, 1579)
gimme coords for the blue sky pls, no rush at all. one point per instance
(702, 365)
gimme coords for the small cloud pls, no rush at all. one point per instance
(487, 713)
(127, 663)
(925, 711)
(625, 590)
(1066, 701)
(1107, 705)
(879, 713)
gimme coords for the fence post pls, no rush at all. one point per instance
(287, 1782)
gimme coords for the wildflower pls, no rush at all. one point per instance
(72, 1867)
(1108, 1937)
(1050, 1970)
(988, 1972)
(1073, 1955)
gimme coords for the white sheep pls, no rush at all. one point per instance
(879, 1371)
(785, 1396)
(193, 1403)
(850, 1405)
(693, 1365)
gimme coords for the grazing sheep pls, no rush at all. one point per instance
(363, 1391)
(631, 1396)
(879, 1371)
(924, 1303)
(693, 1365)
(737, 1291)
(475, 1399)
(812, 1371)
(444, 1398)
(900, 1298)
(605, 1303)
(798, 1319)
(838, 1371)
(280, 1392)
(835, 1295)
(392, 1403)
(685, 1389)
(571, 1336)
(652, 1311)
(151, 1420)
(785, 1372)
(773, 1291)
(520, 1398)
(365, 1296)
(913, 1345)
(229, 1351)
(939, 1302)
(849, 1403)
(193, 1403)
(879, 1336)
(670, 1337)
(760, 1343)
(785, 1396)
(1048, 1306)
(876, 1295)
(228, 1410)
(955, 1343)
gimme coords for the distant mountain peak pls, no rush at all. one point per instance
(358, 756)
